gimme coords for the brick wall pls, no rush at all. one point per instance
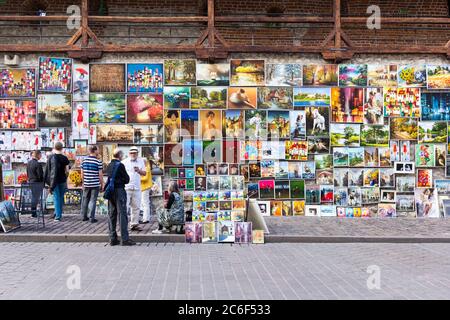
(434, 8)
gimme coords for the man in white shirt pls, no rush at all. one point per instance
(135, 167)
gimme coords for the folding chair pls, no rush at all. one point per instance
(24, 204)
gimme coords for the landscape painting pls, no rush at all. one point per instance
(213, 74)
(209, 98)
(274, 98)
(247, 73)
(320, 75)
(283, 74)
(438, 77)
(106, 108)
(54, 111)
(115, 133)
(179, 72)
(382, 75)
(305, 97)
(17, 83)
(177, 97)
(353, 75)
(432, 132)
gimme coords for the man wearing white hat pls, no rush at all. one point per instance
(135, 167)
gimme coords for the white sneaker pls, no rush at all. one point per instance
(157, 231)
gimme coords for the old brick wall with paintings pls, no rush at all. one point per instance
(348, 140)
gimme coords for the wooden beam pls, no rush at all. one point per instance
(337, 23)
(131, 19)
(211, 37)
(75, 37)
(25, 48)
(84, 23)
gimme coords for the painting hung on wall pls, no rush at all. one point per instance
(80, 120)
(115, 133)
(213, 74)
(344, 135)
(107, 108)
(247, 73)
(55, 74)
(17, 83)
(427, 205)
(108, 77)
(373, 106)
(317, 121)
(353, 75)
(347, 105)
(401, 102)
(435, 105)
(274, 98)
(145, 77)
(179, 72)
(382, 75)
(412, 76)
(373, 135)
(305, 97)
(403, 129)
(209, 98)
(145, 108)
(298, 124)
(283, 74)
(233, 123)
(425, 155)
(438, 77)
(54, 111)
(189, 123)
(432, 132)
(80, 82)
(242, 98)
(172, 125)
(18, 114)
(211, 124)
(148, 134)
(320, 75)
(255, 124)
(177, 97)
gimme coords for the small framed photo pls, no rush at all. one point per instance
(388, 196)
(200, 170)
(212, 169)
(404, 167)
(223, 169)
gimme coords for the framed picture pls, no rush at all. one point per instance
(283, 74)
(17, 82)
(388, 196)
(18, 114)
(145, 108)
(107, 77)
(54, 111)
(55, 74)
(80, 82)
(107, 108)
(177, 97)
(178, 72)
(213, 74)
(145, 77)
(320, 75)
(247, 73)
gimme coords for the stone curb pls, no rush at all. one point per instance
(175, 238)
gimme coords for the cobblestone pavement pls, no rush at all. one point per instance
(299, 226)
(182, 271)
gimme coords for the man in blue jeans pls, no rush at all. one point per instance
(55, 177)
(92, 175)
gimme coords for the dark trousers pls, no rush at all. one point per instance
(36, 195)
(89, 202)
(117, 209)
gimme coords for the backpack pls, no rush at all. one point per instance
(109, 189)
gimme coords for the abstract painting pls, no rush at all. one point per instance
(145, 108)
(55, 74)
(145, 77)
(17, 83)
(108, 77)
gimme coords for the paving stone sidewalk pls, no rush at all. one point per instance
(278, 226)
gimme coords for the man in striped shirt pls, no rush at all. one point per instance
(92, 175)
